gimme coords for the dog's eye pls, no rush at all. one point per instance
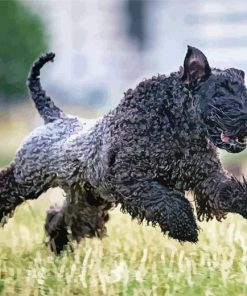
(219, 93)
(228, 87)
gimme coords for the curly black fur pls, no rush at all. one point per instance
(159, 142)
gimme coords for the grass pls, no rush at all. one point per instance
(133, 260)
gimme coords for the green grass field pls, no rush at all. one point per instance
(133, 260)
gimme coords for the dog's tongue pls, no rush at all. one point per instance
(224, 138)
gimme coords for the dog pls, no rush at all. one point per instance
(160, 141)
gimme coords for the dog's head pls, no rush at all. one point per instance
(221, 99)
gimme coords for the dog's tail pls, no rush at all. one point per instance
(45, 106)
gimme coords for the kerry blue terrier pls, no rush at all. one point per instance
(159, 142)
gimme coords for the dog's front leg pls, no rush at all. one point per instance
(218, 194)
(159, 205)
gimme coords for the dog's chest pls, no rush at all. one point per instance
(182, 165)
(196, 163)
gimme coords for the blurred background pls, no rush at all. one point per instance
(105, 47)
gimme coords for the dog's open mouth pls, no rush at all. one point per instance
(233, 139)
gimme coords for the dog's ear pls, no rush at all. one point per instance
(240, 72)
(195, 66)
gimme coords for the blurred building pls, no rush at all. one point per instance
(104, 47)
(97, 53)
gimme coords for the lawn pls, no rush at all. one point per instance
(132, 260)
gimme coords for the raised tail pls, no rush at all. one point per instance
(44, 104)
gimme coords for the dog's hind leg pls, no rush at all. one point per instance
(13, 192)
(83, 215)
(160, 205)
(10, 195)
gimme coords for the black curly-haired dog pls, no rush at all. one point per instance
(159, 142)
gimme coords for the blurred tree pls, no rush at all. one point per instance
(22, 39)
